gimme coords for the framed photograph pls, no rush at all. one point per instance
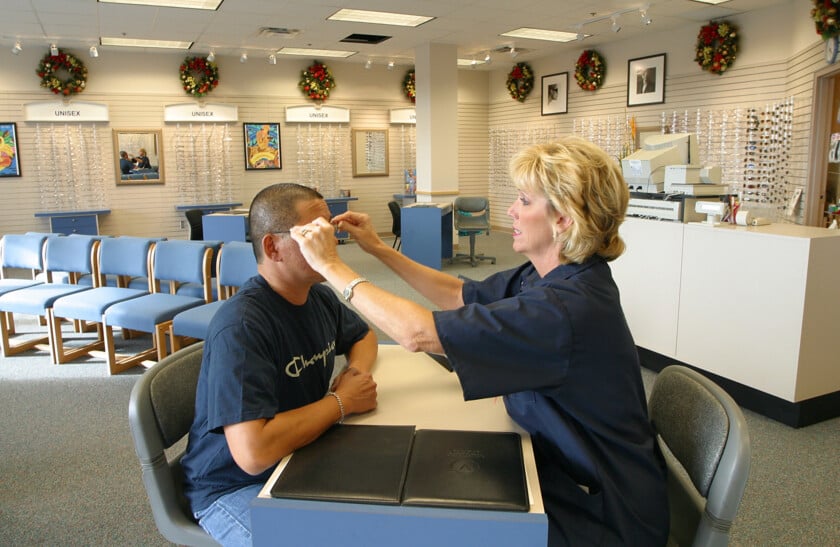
(138, 156)
(646, 80)
(370, 152)
(9, 157)
(262, 146)
(555, 93)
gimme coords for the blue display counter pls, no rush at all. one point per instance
(427, 233)
(74, 222)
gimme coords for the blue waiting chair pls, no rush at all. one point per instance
(173, 262)
(119, 259)
(23, 252)
(74, 255)
(235, 265)
(197, 289)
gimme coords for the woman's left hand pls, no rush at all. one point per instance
(317, 242)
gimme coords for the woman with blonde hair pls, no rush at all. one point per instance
(549, 336)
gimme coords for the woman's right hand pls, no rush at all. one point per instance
(359, 226)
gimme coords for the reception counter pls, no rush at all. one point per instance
(412, 390)
(754, 307)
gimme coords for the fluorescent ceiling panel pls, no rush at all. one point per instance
(471, 62)
(138, 42)
(712, 1)
(315, 52)
(190, 4)
(379, 17)
(541, 34)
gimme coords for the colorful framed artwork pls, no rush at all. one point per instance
(9, 157)
(646, 80)
(262, 146)
(555, 94)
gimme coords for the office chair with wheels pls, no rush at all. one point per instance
(471, 216)
(194, 221)
(396, 223)
(704, 438)
(160, 412)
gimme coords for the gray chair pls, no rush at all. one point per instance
(706, 444)
(160, 412)
(471, 216)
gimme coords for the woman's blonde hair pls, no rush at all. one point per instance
(583, 183)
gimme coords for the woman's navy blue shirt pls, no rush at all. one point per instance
(559, 350)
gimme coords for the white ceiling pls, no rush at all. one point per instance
(473, 25)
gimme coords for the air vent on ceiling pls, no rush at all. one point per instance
(278, 31)
(365, 39)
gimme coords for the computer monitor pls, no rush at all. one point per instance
(644, 170)
(685, 143)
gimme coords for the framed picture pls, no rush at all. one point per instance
(646, 80)
(9, 157)
(370, 152)
(138, 156)
(262, 146)
(555, 93)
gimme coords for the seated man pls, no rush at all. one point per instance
(265, 384)
(126, 165)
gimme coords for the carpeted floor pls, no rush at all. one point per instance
(69, 475)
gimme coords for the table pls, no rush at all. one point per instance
(426, 233)
(413, 390)
(74, 222)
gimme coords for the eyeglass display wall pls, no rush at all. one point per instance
(71, 166)
(322, 155)
(203, 162)
(751, 145)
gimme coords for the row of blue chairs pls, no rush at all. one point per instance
(103, 283)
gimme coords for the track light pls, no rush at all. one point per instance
(93, 52)
(368, 64)
(17, 48)
(487, 59)
(211, 56)
(272, 59)
(580, 35)
(513, 53)
(615, 26)
(390, 65)
(243, 58)
(646, 20)
(53, 50)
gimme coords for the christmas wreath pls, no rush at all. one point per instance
(520, 81)
(589, 70)
(51, 65)
(317, 81)
(717, 44)
(408, 85)
(199, 76)
(824, 14)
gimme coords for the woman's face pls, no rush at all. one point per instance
(533, 227)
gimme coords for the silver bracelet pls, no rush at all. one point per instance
(340, 405)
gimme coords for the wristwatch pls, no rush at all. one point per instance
(348, 290)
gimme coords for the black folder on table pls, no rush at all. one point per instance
(352, 463)
(392, 464)
(466, 469)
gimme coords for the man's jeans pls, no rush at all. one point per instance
(228, 519)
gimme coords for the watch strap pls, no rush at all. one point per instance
(348, 290)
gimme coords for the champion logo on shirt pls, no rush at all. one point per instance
(299, 363)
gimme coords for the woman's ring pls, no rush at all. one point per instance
(304, 232)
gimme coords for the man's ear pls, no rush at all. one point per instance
(269, 248)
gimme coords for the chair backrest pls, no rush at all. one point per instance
(472, 214)
(74, 255)
(125, 256)
(160, 412)
(707, 449)
(236, 264)
(396, 217)
(181, 261)
(194, 217)
(22, 251)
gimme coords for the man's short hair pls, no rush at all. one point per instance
(274, 209)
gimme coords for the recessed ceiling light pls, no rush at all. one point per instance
(541, 34)
(315, 52)
(379, 17)
(190, 4)
(139, 42)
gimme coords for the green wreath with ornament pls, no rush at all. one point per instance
(199, 76)
(824, 14)
(51, 68)
(589, 70)
(520, 81)
(317, 81)
(717, 44)
(409, 87)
